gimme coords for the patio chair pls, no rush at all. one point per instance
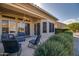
(34, 42)
(20, 37)
(10, 44)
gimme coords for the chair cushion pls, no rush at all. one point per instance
(36, 41)
(20, 38)
(21, 34)
(32, 41)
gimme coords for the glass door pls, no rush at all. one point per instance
(27, 29)
(5, 26)
(37, 29)
(34, 29)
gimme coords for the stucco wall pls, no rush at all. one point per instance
(22, 25)
(45, 36)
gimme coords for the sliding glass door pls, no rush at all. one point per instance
(37, 29)
(27, 29)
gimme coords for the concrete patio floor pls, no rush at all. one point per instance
(26, 51)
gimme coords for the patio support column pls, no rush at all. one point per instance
(47, 27)
(16, 25)
(31, 29)
(24, 24)
(41, 26)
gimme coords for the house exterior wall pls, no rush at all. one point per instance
(59, 25)
(45, 36)
(14, 25)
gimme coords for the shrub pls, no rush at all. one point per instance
(69, 33)
(57, 45)
(61, 30)
(49, 48)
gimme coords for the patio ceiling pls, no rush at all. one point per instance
(9, 12)
(18, 10)
(28, 9)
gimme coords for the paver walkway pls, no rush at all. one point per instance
(76, 45)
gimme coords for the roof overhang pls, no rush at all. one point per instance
(28, 9)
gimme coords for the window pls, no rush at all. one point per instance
(44, 27)
(8, 26)
(35, 29)
(51, 27)
(38, 28)
(27, 29)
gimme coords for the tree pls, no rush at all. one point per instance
(74, 27)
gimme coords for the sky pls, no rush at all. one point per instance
(65, 12)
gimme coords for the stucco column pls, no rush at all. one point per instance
(16, 25)
(23, 22)
(47, 27)
(41, 28)
(32, 28)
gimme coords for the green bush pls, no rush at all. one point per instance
(50, 49)
(66, 39)
(61, 30)
(57, 45)
(69, 32)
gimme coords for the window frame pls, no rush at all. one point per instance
(51, 27)
(44, 27)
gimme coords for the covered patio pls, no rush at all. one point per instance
(16, 19)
